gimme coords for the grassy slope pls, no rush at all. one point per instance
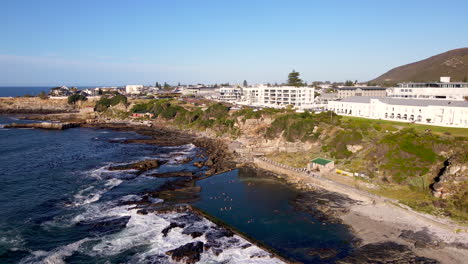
(393, 125)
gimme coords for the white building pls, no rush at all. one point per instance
(437, 90)
(434, 112)
(133, 89)
(230, 94)
(278, 97)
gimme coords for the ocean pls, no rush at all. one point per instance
(60, 203)
(6, 91)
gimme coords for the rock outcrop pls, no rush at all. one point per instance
(34, 105)
(452, 176)
(44, 125)
(188, 253)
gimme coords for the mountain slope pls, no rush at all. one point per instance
(453, 63)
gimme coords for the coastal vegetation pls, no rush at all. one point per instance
(73, 99)
(105, 102)
(396, 158)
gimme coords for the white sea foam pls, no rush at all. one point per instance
(92, 194)
(145, 230)
(54, 256)
(11, 240)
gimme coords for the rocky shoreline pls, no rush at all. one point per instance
(392, 237)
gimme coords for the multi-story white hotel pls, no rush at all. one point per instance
(278, 97)
(230, 94)
(434, 112)
(435, 90)
(133, 89)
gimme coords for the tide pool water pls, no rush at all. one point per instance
(261, 207)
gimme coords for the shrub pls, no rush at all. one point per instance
(72, 99)
(105, 102)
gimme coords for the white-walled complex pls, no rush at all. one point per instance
(435, 112)
(230, 94)
(440, 90)
(133, 89)
(278, 97)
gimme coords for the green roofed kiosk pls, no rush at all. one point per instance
(321, 164)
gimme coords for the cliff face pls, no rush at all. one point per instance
(34, 105)
(252, 136)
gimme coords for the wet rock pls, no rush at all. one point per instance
(210, 172)
(188, 253)
(217, 233)
(105, 225)
(323, 253)
(140, 166)
(246, 246)
(209, 162)
(173, 174)
(383, 253)
(323, 205)
(188, 218)
(194, 231)
(166, 230)
(186, 160)
(155, 259)
(198, 164)
(421, 239)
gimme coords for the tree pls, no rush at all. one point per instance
(294, 80)
(166, 86)
(245, 83)
(100, 91)
(157, 85)
(349, 83)
(178, 84)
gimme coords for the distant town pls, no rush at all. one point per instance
(442, 103)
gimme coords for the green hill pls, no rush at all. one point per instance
(453, 63)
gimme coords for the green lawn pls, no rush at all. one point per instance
(455, 131)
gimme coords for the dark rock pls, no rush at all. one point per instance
(166, 230)
(323, 253)
(421, 239)
(246, 246)
(188, 253)
(105, 225)
(155, 259)
(188, 218)
(194, 231)
(173, 174)
(198, 164)
(209, 162)
(217, 233)
(383, 253)
(141, 166)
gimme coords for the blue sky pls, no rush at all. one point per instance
(119, 42)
